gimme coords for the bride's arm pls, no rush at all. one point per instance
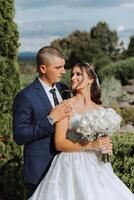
(65, 145)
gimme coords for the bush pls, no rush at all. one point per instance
(122, 70)
(11, 179)
(123, 159)
(111, 91)
(128, 114)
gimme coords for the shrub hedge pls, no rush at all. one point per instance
(122, 70)
(123, 159)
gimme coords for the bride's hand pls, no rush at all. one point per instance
(103, 144)
(107, 149)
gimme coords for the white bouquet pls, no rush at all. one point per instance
(97, 123)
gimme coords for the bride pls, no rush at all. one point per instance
(78, 173)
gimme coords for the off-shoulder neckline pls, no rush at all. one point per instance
(84, 113)
(91, 110)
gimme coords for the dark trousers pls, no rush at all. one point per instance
(31, 188)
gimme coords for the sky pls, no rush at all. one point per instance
(42, 21)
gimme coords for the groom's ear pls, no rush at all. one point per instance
(43, 69)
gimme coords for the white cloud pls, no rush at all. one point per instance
(42, 21)
(29, 4)
(128, 5)
(120, 28)
(34, 44)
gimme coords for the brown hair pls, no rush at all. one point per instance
(95, 88)
(45, 54)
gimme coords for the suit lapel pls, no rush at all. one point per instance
(42, 94)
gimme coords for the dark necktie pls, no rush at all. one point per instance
(54, 96)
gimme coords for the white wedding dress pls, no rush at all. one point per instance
(81, 176)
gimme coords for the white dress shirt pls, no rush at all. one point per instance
(47, 89)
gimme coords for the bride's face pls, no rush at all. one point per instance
(79, 79)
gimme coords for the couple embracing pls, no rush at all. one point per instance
(56, 166)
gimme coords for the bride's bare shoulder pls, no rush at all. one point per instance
(71, 100)
(96, 106)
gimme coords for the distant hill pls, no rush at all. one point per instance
(27, 56)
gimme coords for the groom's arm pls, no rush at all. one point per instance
(24, 129)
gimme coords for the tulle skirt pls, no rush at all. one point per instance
(81, 176)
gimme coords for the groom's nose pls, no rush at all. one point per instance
(63, 71)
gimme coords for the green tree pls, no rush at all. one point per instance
(106, 39)
(130, 50)
(73, 44)
(79, 46)
(8, 33)
(98, 46)
(9, 85)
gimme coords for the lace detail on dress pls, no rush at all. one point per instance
(92, 160)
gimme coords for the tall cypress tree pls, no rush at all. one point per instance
(9, 85)
(9, 76)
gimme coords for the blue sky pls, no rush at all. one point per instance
(42, 21)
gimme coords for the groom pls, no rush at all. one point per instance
(35, 111)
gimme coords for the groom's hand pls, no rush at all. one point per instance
(61, 111)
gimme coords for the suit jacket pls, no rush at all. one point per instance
(32, 129)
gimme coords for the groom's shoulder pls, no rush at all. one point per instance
(28, 89)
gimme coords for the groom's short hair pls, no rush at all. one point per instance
(46, 53)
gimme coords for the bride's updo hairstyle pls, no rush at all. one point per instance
(95, 88)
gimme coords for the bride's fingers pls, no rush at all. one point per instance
(107, 149)
(103, 141)
(106, 140)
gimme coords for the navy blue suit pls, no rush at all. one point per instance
(32, 129)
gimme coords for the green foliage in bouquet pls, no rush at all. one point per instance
(122, 70)
(123, 158)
